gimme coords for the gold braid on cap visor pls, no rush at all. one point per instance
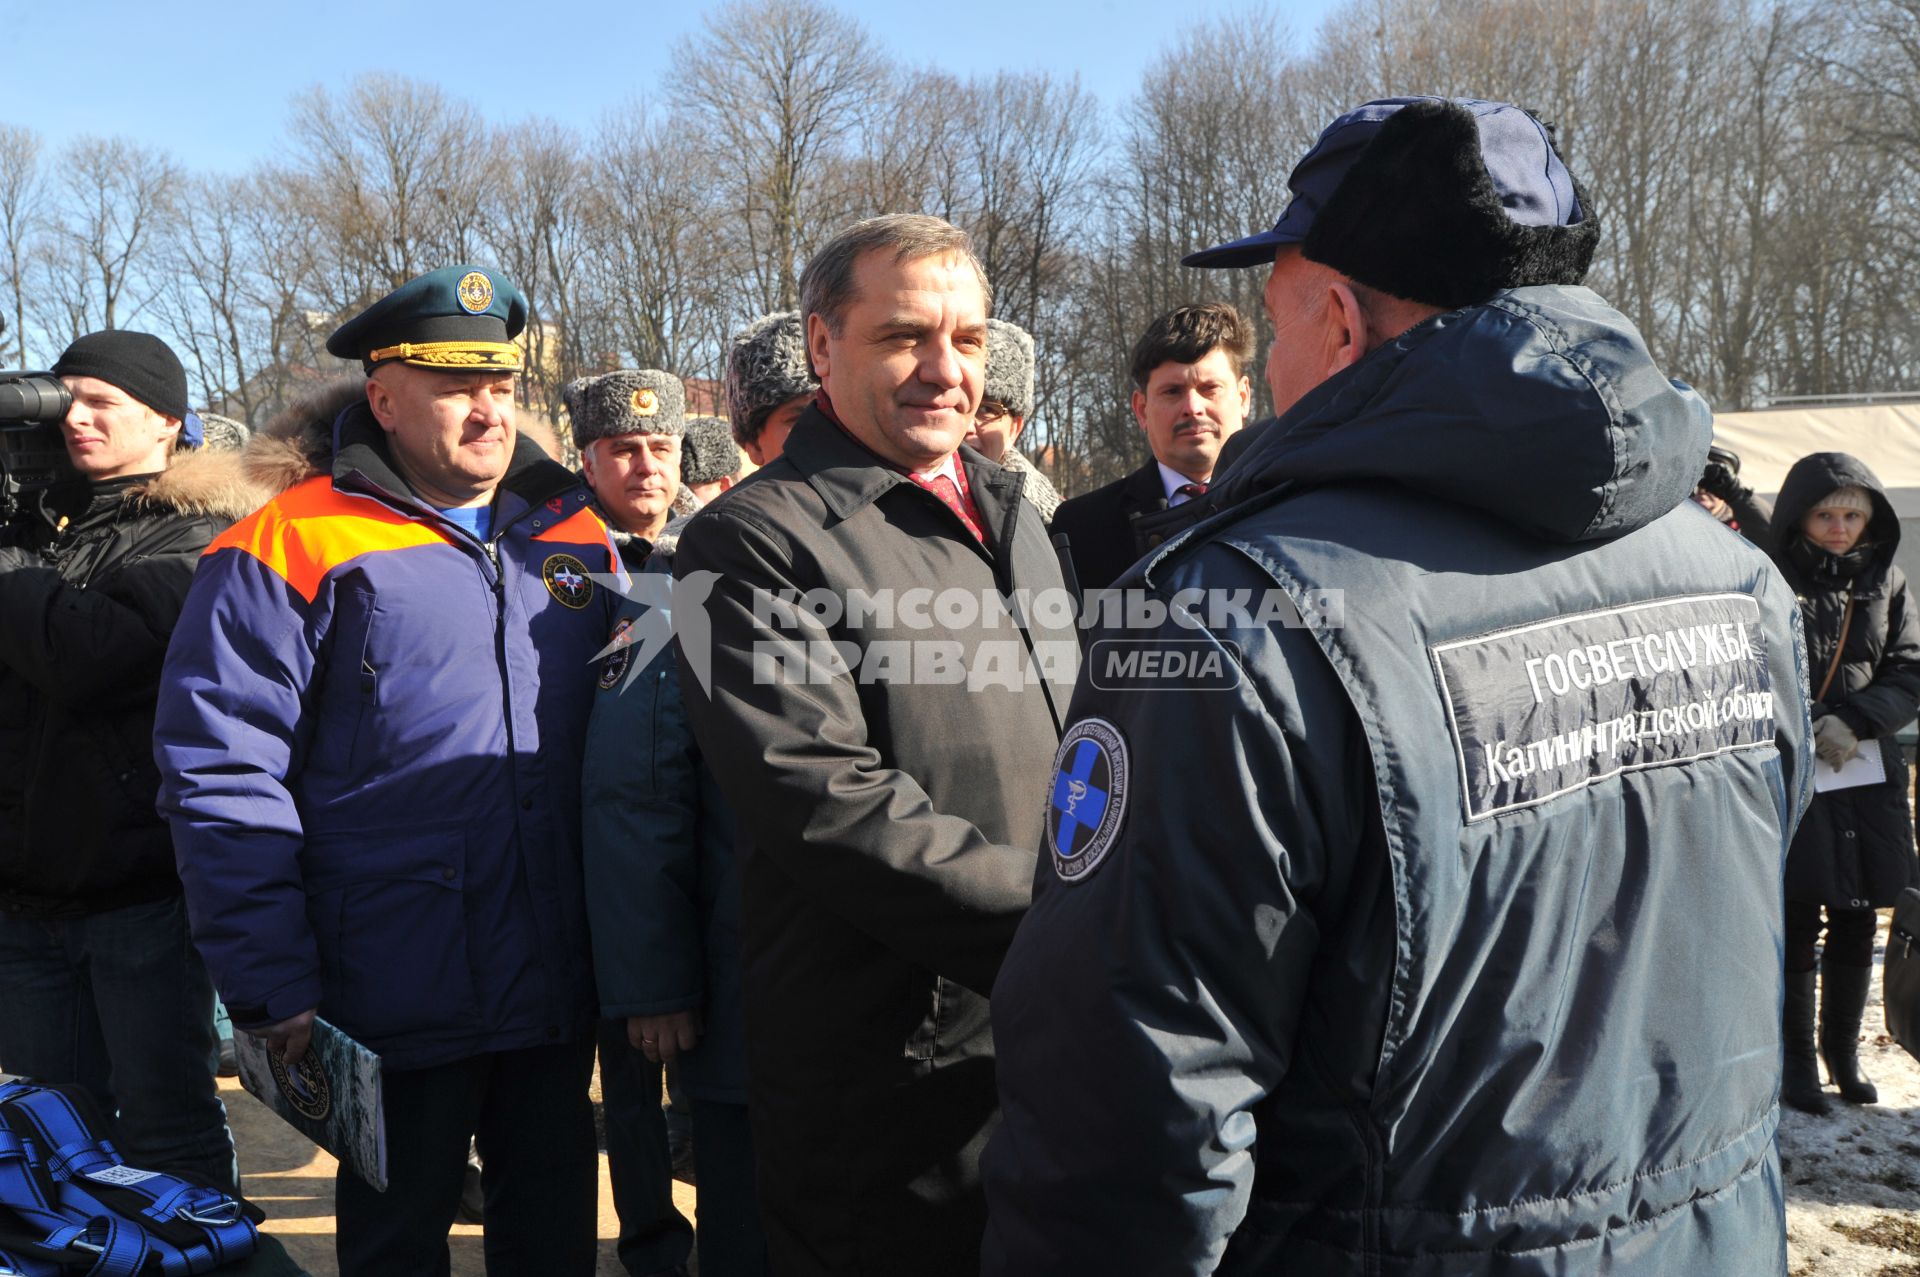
(451, 354)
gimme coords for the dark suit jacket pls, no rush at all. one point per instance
(1099, 526)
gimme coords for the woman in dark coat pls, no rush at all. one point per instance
(1836, 533)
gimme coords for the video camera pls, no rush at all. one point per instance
(32, 454)
(1722, 475)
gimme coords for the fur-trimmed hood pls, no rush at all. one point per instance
(202, 482)
(297, 443)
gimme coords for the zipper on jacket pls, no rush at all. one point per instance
(492, 548)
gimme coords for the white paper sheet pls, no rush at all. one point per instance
(1864, 768)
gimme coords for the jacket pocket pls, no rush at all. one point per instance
(391, 925)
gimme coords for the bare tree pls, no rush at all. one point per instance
(398, 171)
(1202, 156)
(534, 230)
(662, 259)
(1755, 165)
(21, 187)
(115, 197)
(901, 149)
(1875, 80)
(204, 300)
(774, 85)
(237, 267)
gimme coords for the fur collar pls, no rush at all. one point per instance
(297, 444)
(201, 482)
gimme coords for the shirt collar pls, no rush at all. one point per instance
(1172, 480)
(949, 467)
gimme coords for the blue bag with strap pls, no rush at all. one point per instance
(69, 1205)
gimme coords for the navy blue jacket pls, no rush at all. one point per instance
(1428, 922)
(663, 885)
(369, 737)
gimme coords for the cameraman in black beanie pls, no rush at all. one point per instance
(99, 983)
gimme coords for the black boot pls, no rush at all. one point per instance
(1800, 1080)
(1843, 1001)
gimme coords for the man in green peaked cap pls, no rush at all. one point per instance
(377, 818)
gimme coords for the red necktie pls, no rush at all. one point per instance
(1190, 490)
(943, 487)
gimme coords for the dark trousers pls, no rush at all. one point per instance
(534, 1121)
(654, 1237)
(731, 1243)
(118, 1002)
(1849, 936)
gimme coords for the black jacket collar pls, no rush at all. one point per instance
(1144, 490)
(848, 476)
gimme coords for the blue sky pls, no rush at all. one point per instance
(210, 81)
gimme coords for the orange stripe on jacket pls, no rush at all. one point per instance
(583, 526)
(309, 530)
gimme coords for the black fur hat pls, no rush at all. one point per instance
(1434, 200)
(1417, 216)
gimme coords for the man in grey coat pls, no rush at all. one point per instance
(1427, 922)
(882, 724)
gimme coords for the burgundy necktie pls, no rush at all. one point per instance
(943, 487)
(1190, 490)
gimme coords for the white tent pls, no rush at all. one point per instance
(1885, 436)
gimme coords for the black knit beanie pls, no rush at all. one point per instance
(139, 363)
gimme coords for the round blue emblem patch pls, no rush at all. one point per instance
(1088, 798)
(567, 580)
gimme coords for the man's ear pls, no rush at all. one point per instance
(1140, 408)
(380, 402)
(817, 346)
(1246, 397)
(1015, 424)
(1346, 331)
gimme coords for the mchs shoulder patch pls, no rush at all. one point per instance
(1542, 710)
(1088, 797)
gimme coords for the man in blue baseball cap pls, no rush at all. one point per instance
(1434, 927)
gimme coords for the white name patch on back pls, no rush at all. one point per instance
(1540, 710)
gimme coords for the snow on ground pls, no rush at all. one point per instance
(1853, 1177)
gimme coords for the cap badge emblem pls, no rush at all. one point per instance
(475, 292)
(645, 402)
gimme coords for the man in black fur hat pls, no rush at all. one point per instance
(1434, 926)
